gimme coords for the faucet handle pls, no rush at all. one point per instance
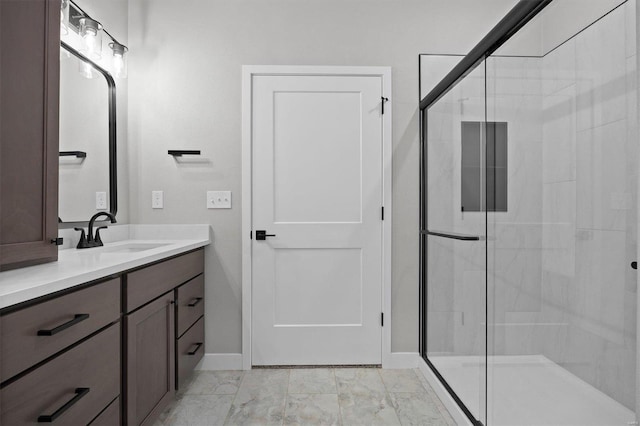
(97, 238)
(83, 243)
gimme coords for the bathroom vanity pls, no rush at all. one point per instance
(103, 335)
(107, 344)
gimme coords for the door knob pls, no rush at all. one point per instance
(634, 265)
(262, 235)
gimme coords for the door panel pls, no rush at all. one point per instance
(329, 292)
(300, 196)
(317, 186)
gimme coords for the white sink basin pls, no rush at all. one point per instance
(131, 247)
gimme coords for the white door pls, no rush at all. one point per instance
(317, 187)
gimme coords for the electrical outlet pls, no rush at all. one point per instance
(101, 200)
(218, 199)
(157, 199)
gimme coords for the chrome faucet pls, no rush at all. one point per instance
(89, 241)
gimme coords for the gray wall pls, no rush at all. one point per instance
(185, 93)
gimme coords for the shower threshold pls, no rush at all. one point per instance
(530, 390)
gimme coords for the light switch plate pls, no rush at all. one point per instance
(101, 200)
(218, 199)
(157, 199)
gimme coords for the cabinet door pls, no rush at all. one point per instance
(29, 92)
(150, 360)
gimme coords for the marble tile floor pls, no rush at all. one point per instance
(318, 396)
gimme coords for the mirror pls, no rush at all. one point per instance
(87, 174)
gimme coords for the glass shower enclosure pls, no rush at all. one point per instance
(529, 221)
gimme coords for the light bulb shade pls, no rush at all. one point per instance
(119, 59)
(64, 17)
(91, 33)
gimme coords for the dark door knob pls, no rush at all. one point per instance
(262, 235)
(634, 265)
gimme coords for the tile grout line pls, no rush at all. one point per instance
(420, 381)
(335, 384)
(388, 394)
(286, 398)
(444, 413)
(235, 395)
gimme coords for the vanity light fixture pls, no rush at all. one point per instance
(119, 60)
(73, 18)
(90, 31)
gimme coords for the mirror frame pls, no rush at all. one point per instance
(113, 167)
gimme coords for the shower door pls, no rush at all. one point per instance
(455, 332)
(530, 177)
(562, 294)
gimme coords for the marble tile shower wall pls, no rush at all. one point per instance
(514, 237)
(456, 271)
(587, 320)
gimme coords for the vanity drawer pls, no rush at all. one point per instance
(190, 303)
(110, 416)
(146, 284)
(59, 387)
(32, 334)
(190, 350)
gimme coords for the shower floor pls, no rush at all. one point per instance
(530, 390)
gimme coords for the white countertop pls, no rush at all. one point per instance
(75, 267)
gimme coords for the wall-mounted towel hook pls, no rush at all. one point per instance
(181, 152)
(77, 154)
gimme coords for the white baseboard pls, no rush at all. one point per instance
(399, 360)
(220, 362)
(450, 404)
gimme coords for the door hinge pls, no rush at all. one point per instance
(384, 100)
(251, 235)
(381, 319)
(382, 213)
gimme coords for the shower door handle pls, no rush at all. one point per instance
(452, 235)
(634, 265)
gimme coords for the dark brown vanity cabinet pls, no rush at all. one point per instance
(29, 95)
(151, 338)
(61, 359)
(107, 353)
